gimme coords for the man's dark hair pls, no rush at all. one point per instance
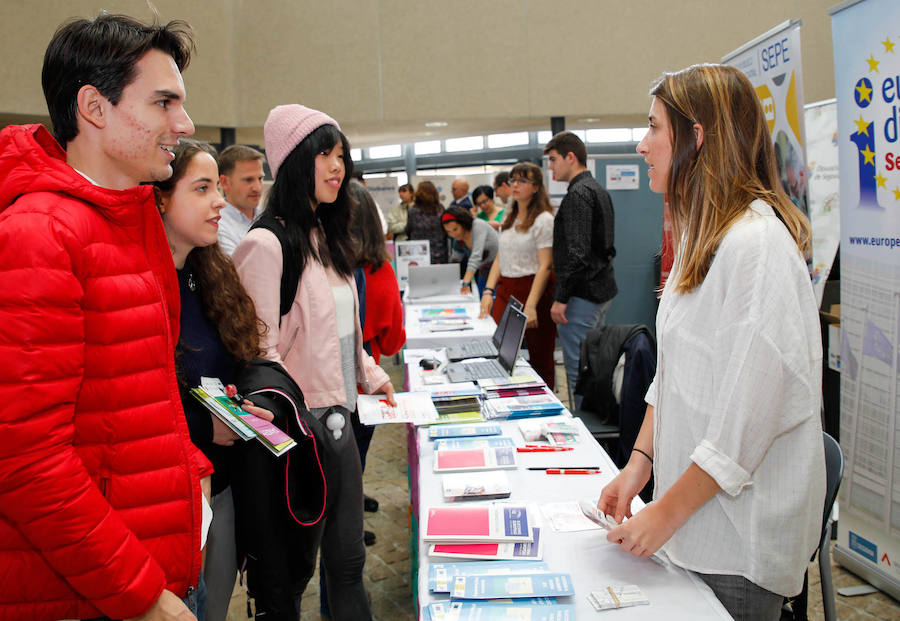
(565, 143)
(501, 178)
(232, 154)
(103, 52)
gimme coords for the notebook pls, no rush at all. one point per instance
(484, 349)
(502, 366)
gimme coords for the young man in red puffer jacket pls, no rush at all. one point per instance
(100, 486)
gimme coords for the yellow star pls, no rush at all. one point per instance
(880, 180)
(888, 45)
(873, 64)
(897, 194)
(865, 93)
(868, 155)
(862, 127)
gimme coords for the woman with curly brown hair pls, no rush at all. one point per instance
(424, 222)
(219, 334)
(524, 265)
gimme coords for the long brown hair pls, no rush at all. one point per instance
(710, 188)
(365, 228)
(427, 198)
(222, 297)
(540, 202)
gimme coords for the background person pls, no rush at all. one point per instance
(460, 191)
(732, 430)
(424, 222)
(488, 211)
(480, 241)
(397, 216)
(502, 191)
(219, 334)
(524, 264)
(241, 176)
(319, 341)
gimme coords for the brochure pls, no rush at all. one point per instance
(460, 460)
(473, 443)
(211, 393)
(475, 486)
(534, 609)
(432, 314)
(520, 407)
(494, 522)
(531, 550)
(617, 596)
(554, 433)
(464, 431)
(515, 585)
(518, 381)
(568, 517)
(442, 575)
(412, 407)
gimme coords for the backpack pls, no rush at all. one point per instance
(290, 271)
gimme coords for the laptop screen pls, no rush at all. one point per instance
(512, 339)
(498, 333)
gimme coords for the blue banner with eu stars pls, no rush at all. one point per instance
(866, 37)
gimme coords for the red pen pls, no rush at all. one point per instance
(573, 471)
(542, 449)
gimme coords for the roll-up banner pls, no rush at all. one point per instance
(866, 37)
(773, 65)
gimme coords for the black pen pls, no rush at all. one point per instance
(564, 467)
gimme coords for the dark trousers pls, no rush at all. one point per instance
(540, 340)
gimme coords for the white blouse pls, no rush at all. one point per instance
(737, 391)
(518, 251)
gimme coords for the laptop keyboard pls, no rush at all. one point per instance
(474, 349)
(481, 369)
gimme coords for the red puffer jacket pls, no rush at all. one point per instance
(99, 482)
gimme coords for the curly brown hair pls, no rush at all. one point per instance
(222, 297)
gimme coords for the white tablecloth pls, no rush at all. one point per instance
(418, 336)
(593, 562)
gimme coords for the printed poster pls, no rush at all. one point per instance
(773, 65)
(824, 190)
(866, 39)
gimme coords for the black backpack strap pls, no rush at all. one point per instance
(290, 272)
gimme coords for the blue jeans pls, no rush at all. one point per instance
(196, 602)
(582, 316)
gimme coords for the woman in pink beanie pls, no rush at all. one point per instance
(318, 339)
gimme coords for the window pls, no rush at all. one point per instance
(469, 143)
(428, 147)
(638, 133)
(355, 154)
(498, 141)
(619, 134)
(385, 151)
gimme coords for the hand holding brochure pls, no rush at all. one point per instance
(211, 393)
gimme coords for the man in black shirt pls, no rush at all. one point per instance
(583, 250)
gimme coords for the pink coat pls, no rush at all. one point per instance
(306, 342)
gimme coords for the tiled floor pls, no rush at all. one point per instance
(387, 562)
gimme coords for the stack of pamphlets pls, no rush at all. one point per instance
(494, 522)
(533, 609)
(445, 319)
(513, 381)
(441, 576)
(460, 460)
(515, 585)
(618, 596)
(464, 430)
(457, 403)
(412, 407)
(531, 550)
(522, 407)
(211, 393)
(553, 432)
(518, 390)
(475, 486)
(450, 444)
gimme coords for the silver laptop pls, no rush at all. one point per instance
(503, 365)
(435, 283)
(484, 349)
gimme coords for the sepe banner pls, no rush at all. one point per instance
(773, 65)
(866, 38)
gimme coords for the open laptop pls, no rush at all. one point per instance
(501, 366)
(484, 349)
(435, 283)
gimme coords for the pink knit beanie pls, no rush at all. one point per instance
(286, 127)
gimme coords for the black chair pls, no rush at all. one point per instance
(615, 420)
(834, 472)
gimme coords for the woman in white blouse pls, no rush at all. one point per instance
(732, 431)
(524, 263)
